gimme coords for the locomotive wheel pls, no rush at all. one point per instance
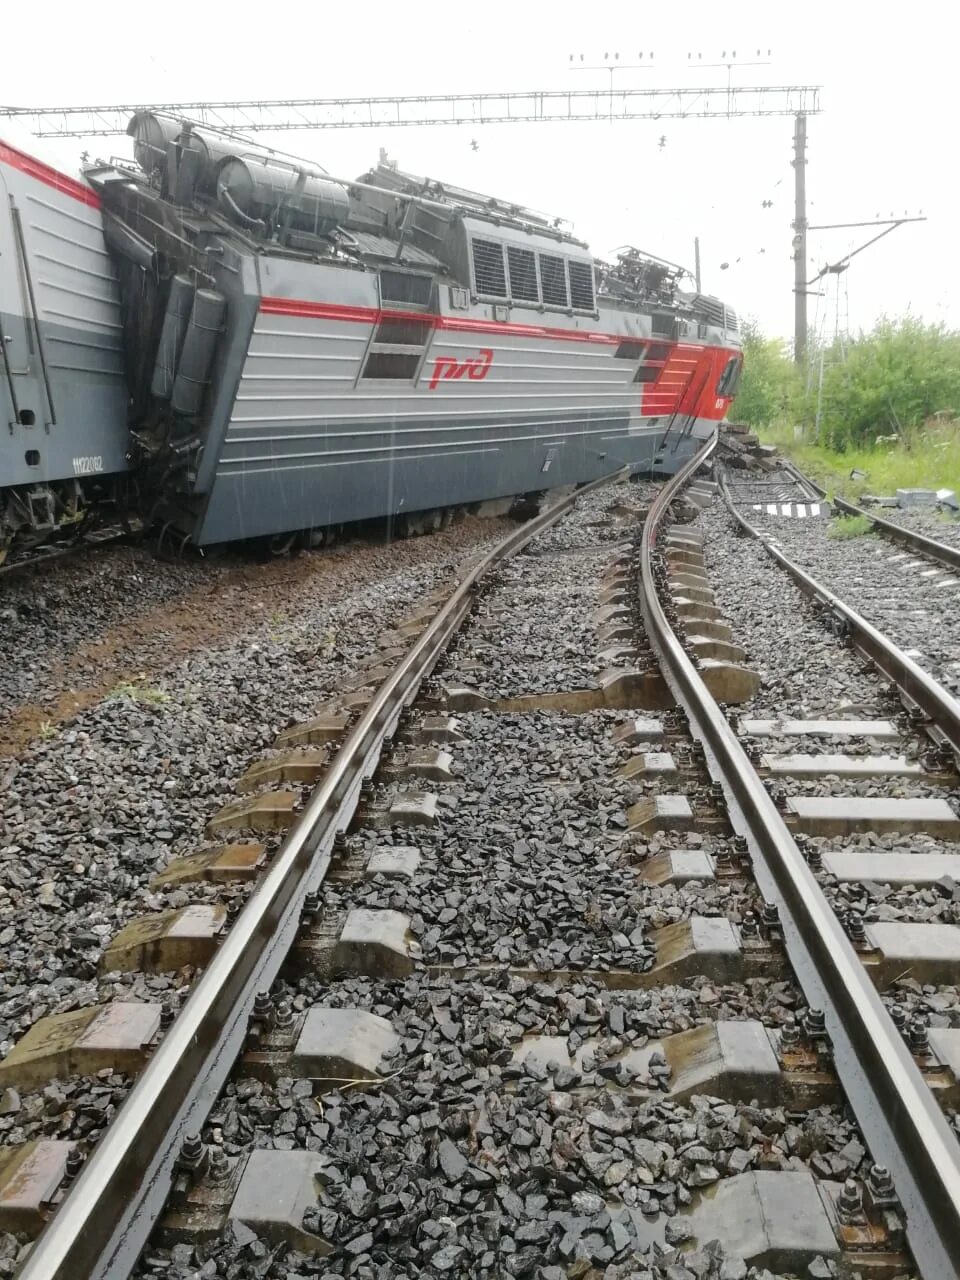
(281, 543)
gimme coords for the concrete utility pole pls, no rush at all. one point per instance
(800, 239)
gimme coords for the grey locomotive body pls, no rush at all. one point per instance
(63, 398)
(302, 352)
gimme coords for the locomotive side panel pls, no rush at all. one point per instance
(60, 306)
(320, 434)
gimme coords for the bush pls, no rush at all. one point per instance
(891, 381)
(770, 390)
(849, 527)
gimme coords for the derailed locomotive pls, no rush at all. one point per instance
(247, 347)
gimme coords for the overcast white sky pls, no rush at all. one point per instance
(886, 141)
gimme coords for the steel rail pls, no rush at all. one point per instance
(917, 687)
(919, 542)
(940, 552)
(813, 489)
(898, 1116)
(106, 1219)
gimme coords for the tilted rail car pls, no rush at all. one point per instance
(246, 347)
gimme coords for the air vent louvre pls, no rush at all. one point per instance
(523, 274)
(629, 350)
(397, 286)
(553, 280)
(389, 364)
(581, 285)
(714, 312)
(488, 270)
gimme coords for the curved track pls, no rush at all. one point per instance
(108, 1215)
(103, 1225)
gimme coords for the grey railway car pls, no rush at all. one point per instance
(63, 394)
(275, 351)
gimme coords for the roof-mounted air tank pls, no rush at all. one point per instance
(256, 189)
(259, 188)
(152, 135)
(177, 157)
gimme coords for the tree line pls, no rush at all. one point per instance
(888, 382)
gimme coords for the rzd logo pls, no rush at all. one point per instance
(474, 367)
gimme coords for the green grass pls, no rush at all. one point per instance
(152, 694)
(849, 527)
(928, 458)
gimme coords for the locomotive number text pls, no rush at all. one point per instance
(87, 466)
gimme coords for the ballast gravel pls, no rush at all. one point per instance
(907, 597)
(471, 1161)
(940, 525)
(805, 673)
(91, 811)
(530, 862)
(539, 632)
(122, 616)
(541, 636)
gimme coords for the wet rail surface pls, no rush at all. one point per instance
(542, 980)
(852, 794)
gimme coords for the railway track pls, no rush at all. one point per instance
(908, 591)
(931, 549)
(37, 558)
(540, 980)
(791, 493)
